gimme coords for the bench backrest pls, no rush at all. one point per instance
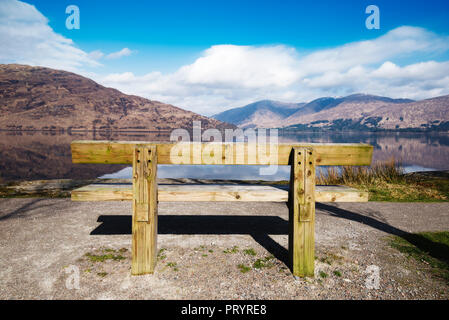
(122, 152)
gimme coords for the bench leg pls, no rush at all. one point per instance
(302, 212)
(144, 222)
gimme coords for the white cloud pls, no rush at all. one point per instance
(228, 76)
(122, 53)
(96, 55)
(398, 43)
(237, 66)
(26, 38)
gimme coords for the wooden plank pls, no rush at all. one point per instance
(144, 237)
(144, 181)
(103, 192)
(307, 217)
(222, 193)
(121, 152)
(307, 203)
(211, 192)
(302, 212)
(339, 194)
(144, 199)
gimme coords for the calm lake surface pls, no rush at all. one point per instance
(45, 155)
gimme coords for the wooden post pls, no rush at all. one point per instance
(302, 212)
(144, 223)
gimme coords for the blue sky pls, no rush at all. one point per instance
(168, 34)
(208, 56)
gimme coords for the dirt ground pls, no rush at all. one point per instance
(205, 251)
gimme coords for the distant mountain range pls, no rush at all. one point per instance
(37, 98)
(354, 112)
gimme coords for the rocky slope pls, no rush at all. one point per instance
(37, 98)
(265, 113)
(377, 113)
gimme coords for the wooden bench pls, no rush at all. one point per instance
(145, 193)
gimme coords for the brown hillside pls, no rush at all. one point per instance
(419, 114)
(37, 98)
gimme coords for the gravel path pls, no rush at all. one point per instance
(44, 243)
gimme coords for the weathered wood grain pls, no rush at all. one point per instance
(302, 212)
(110, 152)
(144, 198)
(211, 192)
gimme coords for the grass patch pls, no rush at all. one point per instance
(102, 274)
(263, 263)
(234, 249)
(6, 192)
(250, 252)
(386, 181)
(104, 257)
(243, 268)
(323, 274)
(330, 258)
(430, 248)
(337, 273)
(161, 255)
(173, 265)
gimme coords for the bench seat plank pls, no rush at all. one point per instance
(216, 192)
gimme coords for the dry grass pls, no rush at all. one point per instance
(386, 181)
(390, 172)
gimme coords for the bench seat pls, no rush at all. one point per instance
(147, 190)
(215, 192)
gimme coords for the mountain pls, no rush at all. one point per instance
(37, 98)
(354, 112)
(327, 103)
(265, 113)
(364, 112)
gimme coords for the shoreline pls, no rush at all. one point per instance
(61, 188)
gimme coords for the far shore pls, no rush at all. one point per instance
(168, 131)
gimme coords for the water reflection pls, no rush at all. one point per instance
(210, 172)
(46, 155)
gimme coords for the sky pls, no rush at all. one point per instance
(210, 56)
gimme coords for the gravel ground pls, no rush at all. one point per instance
(45, 242)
